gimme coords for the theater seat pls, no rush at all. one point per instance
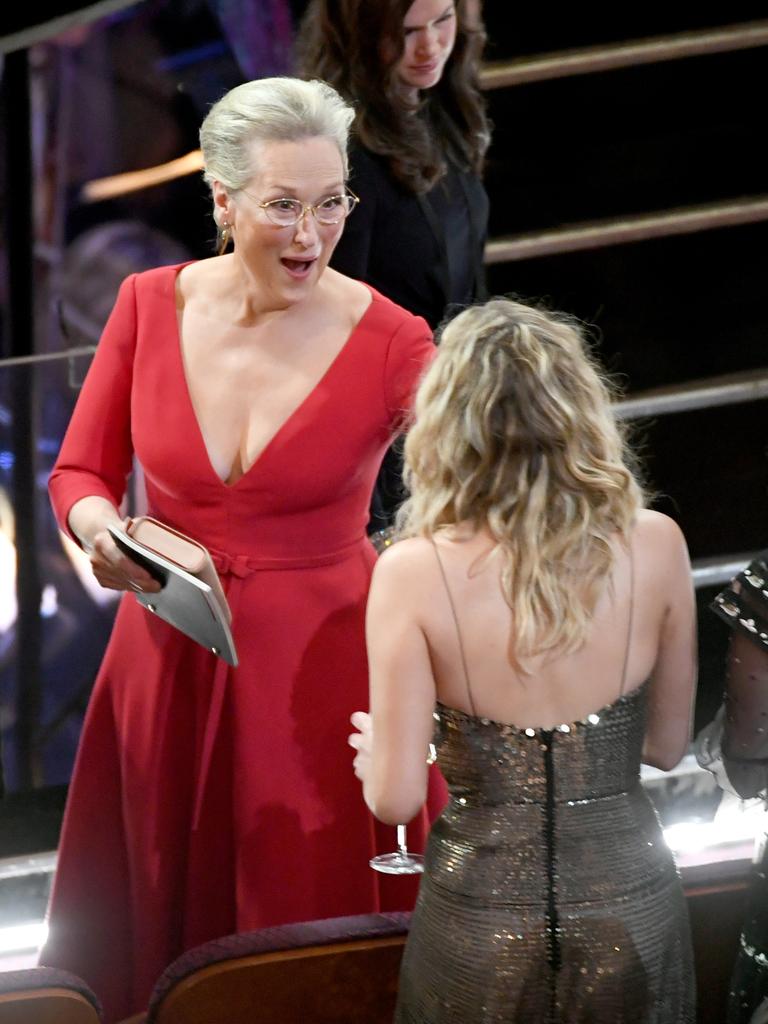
(43, 995)
(343, 970)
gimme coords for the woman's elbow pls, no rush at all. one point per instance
(392, 807)
(665, 759)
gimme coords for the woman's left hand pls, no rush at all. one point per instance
(362, 741)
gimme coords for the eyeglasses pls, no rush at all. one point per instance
(288, 212)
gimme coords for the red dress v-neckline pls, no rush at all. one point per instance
(302, 406)
(281, 832)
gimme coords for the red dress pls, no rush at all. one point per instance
(207, 800)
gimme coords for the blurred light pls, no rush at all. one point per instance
(81, 563)
(132, 181)
(690, 836)
(20, 937)
(49, 601)
(195, 56)
(8, 605)
(742, 821)
(49, 445)
(6, 460)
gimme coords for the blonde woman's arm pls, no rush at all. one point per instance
(673, 679)
(393, 742)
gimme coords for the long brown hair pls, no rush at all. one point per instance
(342, 42)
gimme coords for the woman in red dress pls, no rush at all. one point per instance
(258, 390)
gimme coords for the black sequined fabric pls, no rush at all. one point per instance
(743, 604)
(549, 894)
(748, 997)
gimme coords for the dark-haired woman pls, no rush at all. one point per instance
(410, 68)
(734, 748)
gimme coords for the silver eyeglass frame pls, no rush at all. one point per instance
(305, 208)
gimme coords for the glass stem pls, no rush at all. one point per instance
(401, 845)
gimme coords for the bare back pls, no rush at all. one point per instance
(627, 643)
(418, 652)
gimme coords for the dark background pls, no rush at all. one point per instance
(130, 90)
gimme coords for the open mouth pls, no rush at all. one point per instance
(298, 268)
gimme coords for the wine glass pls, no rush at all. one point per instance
(401, 861)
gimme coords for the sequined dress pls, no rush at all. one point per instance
(743, 605)
(549, 895)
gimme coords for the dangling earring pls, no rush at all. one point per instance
(225, 233)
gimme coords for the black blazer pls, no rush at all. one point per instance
(423, 252)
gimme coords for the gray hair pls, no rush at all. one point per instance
(269, 110)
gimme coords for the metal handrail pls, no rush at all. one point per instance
(732, 389)
(42, 863)
(497, 75)
(653, 50)
(55, 25)
(633, 228)
(47, 357)
(713, 572)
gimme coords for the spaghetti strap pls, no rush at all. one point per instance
(630, 617)
(458, 630)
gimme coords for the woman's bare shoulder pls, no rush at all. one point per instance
(661, 550)
(405, 555)
(417, 560)
(403, 578)
(197, 279)
(656, 528)
(346, 293)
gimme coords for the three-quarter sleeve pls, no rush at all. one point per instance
(411, 350)
(97, 453)
(735, 745)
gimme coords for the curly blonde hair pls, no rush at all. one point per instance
(514, 433)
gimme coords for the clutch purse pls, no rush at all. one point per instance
(191, 598)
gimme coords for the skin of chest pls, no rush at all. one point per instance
(246, 384)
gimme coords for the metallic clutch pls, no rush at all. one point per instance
(191, 598)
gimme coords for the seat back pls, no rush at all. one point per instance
(339, 971)
(42, 995)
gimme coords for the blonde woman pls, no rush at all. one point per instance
(542, 622)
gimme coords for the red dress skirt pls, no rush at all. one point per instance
(207, 800)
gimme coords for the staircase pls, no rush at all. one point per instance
(628, 187)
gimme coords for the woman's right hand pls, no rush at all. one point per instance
(116, 571)
(88, 520)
